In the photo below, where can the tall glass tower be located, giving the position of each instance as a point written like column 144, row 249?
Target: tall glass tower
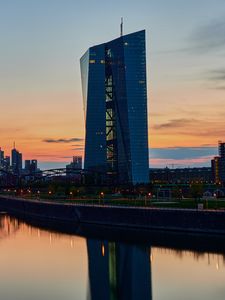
column 115, row 105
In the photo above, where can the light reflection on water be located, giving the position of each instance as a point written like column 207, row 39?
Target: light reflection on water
column 39, row 264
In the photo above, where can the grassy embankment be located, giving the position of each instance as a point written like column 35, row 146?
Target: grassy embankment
column 139, row 202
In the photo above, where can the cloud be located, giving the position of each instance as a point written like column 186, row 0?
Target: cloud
column 217, row 78
column 209, row 37
column 206, row 38
column 175, row 123
column 45, row 155
column 214, row 129
column 62, row 140
column 222, row 88
column 217, row 75
column 78, row 148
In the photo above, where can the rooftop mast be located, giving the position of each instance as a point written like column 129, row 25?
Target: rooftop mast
column 121, row 27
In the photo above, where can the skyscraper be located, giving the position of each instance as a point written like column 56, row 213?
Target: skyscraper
column 17, row 162
column 77, row 162
column 218, row 164
column 115, row 104
column 222, row 160
column 1, row 158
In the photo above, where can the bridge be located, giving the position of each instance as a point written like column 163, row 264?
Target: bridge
column 10, row 179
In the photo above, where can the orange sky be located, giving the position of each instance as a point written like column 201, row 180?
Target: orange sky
column 40, row 88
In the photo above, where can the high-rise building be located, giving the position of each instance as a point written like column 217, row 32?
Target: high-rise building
column 1, row 158
column 215, row 166
column 73, row 167
column 218, row 164
column 27, row 166
column 77, row 162
column 31, row 166
column 115, row 104
column 222, row 160
column 17, row 162
column 7, row 163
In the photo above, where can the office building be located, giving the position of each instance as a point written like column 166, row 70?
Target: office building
column 31, row 166
column 218, row 164
column 77, row 162
column 27, row 165
column 72, row 169
column 17, row 162
column 115, row 104
column 181, row 175
column 4, row 161
column 221, row 147
column 1, row 158
column 7, row 163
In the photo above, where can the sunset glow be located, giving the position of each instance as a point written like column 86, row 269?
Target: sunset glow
column 40, row 87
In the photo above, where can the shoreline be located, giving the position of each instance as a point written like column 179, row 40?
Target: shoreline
column 139, row 218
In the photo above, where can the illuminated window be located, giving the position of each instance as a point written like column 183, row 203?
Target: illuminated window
column 102, row 61
column 126, row 44
column 92, row 61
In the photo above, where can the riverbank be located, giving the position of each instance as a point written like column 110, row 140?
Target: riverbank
column 180, row 220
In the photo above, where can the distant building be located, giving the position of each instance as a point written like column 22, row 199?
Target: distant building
column 181, row 175
column 77, row 162
column 7, row 163
column 218, row 164
column 27, row 166
column 215, row 166
column 115, row 104
column 4, row 161
column 1, row 158
column 73, row 167
column 17, row 162
column 31, row 166
column 222, row 161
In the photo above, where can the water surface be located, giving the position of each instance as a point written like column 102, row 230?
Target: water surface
column 40, row 264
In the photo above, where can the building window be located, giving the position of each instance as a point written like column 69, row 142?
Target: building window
column 92, row 61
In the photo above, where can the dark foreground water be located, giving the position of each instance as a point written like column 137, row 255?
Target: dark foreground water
column 39, row 264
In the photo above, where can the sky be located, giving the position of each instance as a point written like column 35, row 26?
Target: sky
column 41, row 105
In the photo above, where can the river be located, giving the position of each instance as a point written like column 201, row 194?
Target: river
column 40, row 264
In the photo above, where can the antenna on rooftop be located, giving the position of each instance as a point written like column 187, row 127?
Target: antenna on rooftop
column 121, row 27
column 14, row 145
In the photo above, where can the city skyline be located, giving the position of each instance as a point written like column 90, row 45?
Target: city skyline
column 40, row 86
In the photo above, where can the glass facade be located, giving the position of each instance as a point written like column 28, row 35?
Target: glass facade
column 115, row 104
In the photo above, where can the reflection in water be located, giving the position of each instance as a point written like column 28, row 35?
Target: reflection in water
column 119, row 271
column 8, row 226
column 70, row 267
column 217, row 260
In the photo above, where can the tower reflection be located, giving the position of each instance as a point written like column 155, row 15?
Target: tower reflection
column 119, row 271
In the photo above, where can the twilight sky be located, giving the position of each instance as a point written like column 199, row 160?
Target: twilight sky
column 42, row 41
